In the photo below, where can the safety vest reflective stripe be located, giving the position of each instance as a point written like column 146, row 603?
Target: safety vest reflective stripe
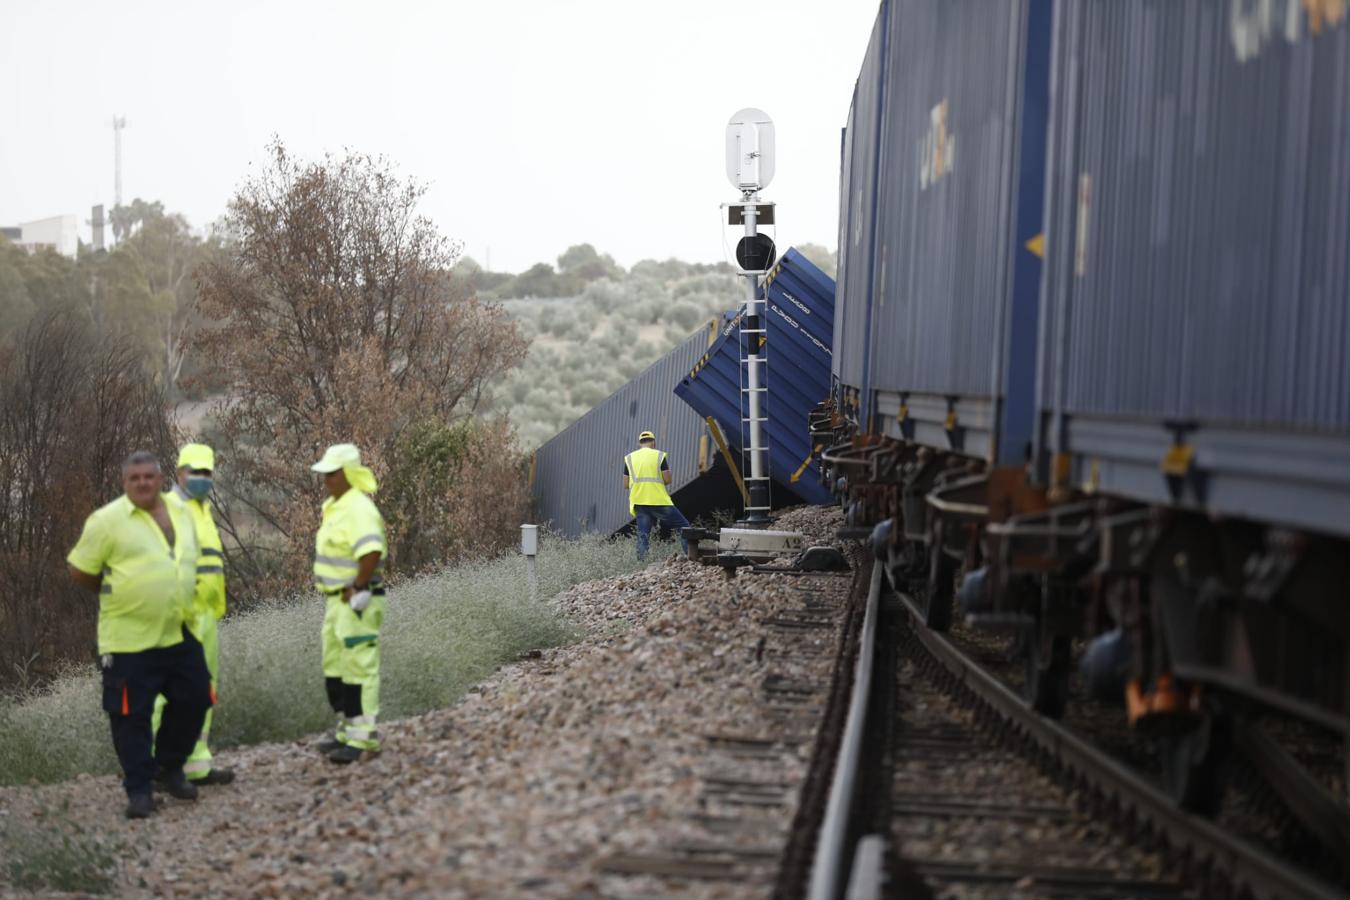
column 200, row 765
column 646, row 485
column 352, row 528
column 361, row 728
column 210, row 551
column 362, row 541
column 209, row 570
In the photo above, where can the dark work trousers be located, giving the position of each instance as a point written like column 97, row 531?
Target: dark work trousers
column 669, row 516
column 130, row 686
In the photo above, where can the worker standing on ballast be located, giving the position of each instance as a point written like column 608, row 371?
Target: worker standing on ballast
column 646, row 473
column 348, row 551
column 196, row 466
column 138, row 555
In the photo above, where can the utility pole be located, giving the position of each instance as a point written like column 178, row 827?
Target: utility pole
column 119, row 123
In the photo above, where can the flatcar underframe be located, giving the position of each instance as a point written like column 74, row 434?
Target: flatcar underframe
column 1222, row 618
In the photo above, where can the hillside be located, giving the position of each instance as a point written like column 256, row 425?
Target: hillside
column 615, row 323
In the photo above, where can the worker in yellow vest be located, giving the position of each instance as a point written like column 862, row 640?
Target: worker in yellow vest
column 138, row 555
column 348, row 553
column 196, row 466
column 646, row 473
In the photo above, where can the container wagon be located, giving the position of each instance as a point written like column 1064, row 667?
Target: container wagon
column 1153, row 451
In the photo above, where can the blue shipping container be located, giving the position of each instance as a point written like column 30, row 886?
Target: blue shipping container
column 1197, row 291
column 576, row 478
column 799, row 313
column 862, row 148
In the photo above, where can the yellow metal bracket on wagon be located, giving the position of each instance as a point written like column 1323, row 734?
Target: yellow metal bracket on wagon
column 726, row 454
column 806, row 462
column 1178, row 459
column 1037, row 245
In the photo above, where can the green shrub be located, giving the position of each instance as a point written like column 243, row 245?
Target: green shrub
column 443, row 633
column 56, row 852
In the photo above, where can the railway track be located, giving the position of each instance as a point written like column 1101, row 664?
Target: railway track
column 984, row 797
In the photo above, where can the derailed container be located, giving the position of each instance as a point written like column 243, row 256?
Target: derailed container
column 1196, row 323
column 799, row 313
column 576, row 478
column 961, row 188
column 858, row 212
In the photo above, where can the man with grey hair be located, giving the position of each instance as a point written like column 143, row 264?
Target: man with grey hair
column 139, row 555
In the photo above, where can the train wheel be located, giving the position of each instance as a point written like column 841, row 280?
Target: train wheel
column 1196, row 765
column 1047, row 674
column 941, row 588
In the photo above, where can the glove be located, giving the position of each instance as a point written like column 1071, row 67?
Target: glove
column 360, row 600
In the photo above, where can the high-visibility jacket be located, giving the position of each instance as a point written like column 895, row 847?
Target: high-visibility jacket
column 209, row 597
column 352, row 527
column 147, row 591
column 646, row 487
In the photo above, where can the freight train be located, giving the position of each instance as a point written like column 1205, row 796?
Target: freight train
column 1091, row 360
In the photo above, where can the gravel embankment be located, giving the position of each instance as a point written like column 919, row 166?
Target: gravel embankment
column 550, row 765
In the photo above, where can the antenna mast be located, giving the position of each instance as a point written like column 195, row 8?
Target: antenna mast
column 119, row 123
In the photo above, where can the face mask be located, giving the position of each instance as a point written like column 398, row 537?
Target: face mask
column 198, row 486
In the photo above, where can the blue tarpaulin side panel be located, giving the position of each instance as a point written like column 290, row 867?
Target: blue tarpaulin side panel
column 800, row 323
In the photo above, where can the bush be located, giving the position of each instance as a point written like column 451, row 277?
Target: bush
column 58, row 853
column 444, row 632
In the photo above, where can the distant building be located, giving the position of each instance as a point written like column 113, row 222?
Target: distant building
column 59, row 233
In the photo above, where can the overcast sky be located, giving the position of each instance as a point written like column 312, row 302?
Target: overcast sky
column 536, row 125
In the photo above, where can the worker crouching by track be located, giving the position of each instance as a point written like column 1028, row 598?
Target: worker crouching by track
column 347, row 552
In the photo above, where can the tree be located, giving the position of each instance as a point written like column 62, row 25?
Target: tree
column 73, row 404
column 335, row 319
column 162, row 255
column 16, row 308
column 583, row 261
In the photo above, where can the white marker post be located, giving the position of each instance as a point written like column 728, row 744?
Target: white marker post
column 529, row 546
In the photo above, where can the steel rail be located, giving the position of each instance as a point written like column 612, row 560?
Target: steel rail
column 1237, row 861
column 827, row 864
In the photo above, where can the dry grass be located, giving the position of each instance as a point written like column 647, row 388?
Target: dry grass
column 444, row 632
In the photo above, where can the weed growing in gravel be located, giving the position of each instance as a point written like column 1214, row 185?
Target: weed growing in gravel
column 55, row 852
column 442, row 633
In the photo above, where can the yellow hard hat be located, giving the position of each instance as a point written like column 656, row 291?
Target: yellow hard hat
column 646, row 436
column 197, row 456
column 338, row 456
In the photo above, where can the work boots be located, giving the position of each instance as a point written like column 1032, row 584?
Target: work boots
column 331, row 743
column 345, row 755
column 177, row 784
column 140, row 806
column 216, row 775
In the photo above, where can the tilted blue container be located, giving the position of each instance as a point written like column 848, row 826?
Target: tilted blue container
column 576, row 478
column 799, row 315
column 1197, row 294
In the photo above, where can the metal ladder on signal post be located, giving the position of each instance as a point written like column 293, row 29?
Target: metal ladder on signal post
column 754, row 379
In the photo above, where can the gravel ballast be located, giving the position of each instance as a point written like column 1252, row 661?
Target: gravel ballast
column 543, row 771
